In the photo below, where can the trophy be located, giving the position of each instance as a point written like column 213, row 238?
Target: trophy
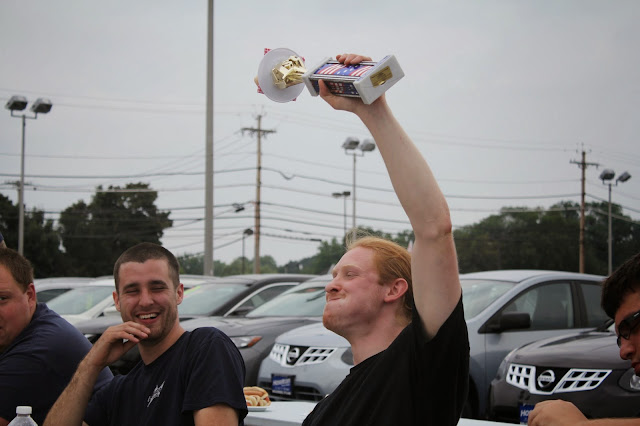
column 282, row 73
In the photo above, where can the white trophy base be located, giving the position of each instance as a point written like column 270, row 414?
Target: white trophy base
column 265, row 78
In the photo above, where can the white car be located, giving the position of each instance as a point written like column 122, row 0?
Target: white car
column 306, row 363
column 50, row 288
column 85, row 302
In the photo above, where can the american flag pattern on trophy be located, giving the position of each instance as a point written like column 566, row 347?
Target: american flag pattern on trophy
column 343, row 86
column 344, row 70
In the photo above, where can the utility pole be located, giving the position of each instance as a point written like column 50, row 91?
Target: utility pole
column 583, row 165
column 259, row 131
column 208, row 184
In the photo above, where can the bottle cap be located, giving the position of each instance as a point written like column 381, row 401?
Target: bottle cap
column 23, row 409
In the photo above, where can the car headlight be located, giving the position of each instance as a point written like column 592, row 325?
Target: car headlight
column 502, row 369
column 634, row 383
column 629, row 381
column 242, row 342
column 347, row 356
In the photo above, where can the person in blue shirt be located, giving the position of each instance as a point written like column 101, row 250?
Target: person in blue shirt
column 39, row 350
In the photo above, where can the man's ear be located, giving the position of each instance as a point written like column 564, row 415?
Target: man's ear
column 180, row 293
column 31, row 294
column 116, row 300
column 396, row 289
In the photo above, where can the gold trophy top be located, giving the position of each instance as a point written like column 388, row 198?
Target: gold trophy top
column 288, row 72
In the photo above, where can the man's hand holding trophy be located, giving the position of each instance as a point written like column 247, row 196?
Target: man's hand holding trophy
column 282, row 76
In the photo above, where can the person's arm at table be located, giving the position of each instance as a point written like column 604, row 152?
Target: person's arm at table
column 562, row 413
column 70, row 407
column 217, row 415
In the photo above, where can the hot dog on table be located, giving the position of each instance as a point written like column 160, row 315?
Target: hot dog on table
column 256, row 396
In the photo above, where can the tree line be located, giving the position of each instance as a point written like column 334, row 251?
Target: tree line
column 88, row 238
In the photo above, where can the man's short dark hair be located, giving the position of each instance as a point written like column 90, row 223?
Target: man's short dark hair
column 142, row 252
column 624, row 280
column 19, row 267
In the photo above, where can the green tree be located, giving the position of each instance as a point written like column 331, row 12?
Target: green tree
column 267, row 266
column 95, row 234
column 9, row 222
column 41, row 239
column 520, row 238
column 329, row 253
column 625, row 237
column 303, row 266
column 191, row 264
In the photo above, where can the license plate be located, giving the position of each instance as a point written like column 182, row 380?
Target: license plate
column 282, row 385
column 524, row 410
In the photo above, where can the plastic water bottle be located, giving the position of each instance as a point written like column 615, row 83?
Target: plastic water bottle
column 23, row 417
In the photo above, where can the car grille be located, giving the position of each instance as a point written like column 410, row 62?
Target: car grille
column 289, row 356
column 546, row 381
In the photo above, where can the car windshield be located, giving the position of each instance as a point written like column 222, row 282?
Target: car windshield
column 478, row 294
column 299, row 302
column 202, row 300
column 79, row 300
column 45, row 296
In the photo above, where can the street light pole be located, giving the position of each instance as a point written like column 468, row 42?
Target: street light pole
column 21, row 191
column 607, row 176
column 19, row 103
column 344, row 195
column 353, row 200
column 350, row 145
column 609, row 238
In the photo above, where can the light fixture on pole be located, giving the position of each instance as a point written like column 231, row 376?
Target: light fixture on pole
column 247, row 232
column 607, row 176
column 40, row 106
column 344, row 195
column 350, row 145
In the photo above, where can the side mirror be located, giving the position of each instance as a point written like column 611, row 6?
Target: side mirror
column 241, row 311
column 514, row 320
column 507, row 321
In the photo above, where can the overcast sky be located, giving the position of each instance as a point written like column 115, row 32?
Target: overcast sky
column 500, row 96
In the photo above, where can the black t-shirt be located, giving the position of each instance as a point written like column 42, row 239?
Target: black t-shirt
column 37, row 366
column 201, row 369
column 414, row 381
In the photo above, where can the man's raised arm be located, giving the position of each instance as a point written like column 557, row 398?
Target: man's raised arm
column 436, row 283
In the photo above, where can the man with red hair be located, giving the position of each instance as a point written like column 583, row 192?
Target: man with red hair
column 401, row 312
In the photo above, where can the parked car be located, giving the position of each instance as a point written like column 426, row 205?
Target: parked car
column 84, row 302
column 237, row 295
column 205, row 296
column 582, row 368
column 255, row 334
column 306, row 363
column 503, row 310
column 49, row 288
